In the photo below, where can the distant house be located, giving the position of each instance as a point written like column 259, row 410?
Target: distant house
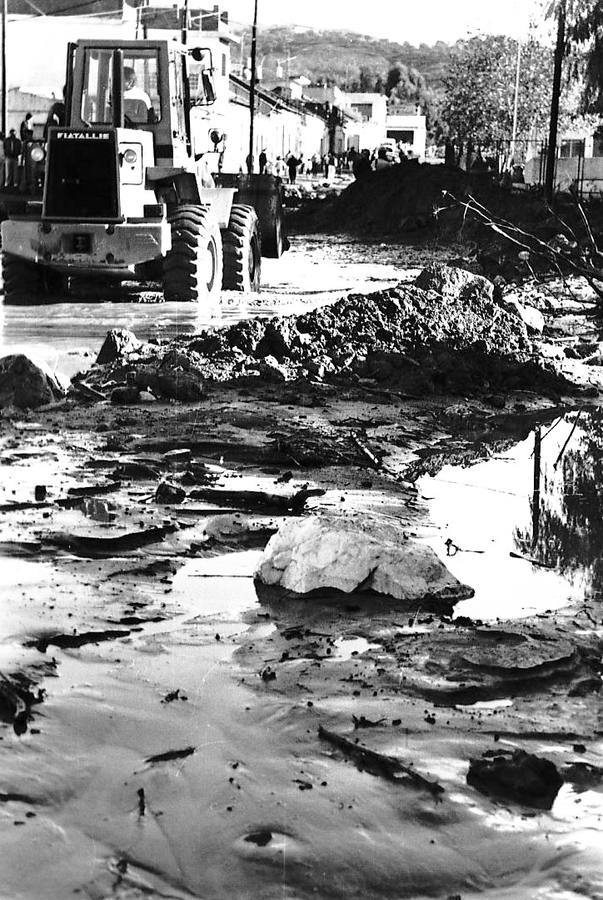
column 21, row 102
column 579, row 160
column 408, row 128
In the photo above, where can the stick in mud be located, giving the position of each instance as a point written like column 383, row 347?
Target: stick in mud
column 379, row 763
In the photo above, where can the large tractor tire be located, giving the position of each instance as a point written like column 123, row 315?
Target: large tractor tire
column 27, row 283
column 242, row 250
column 192, row 269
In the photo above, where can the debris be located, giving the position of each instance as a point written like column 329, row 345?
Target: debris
column 142, row 806
column 16, row 699
column 26, row 385
column 170, row 755
column 278, row 504
column 455, row 283
column 93, row 489
column 532, row 318
column 88, row 392
column 362, row 722
column 260, row 838
column 168, row 494
column 98, row 548
column 311, row 554
column 136, row 470
column 40, row 492
column 583, row 775
column 72, row 641
column 380, row 764
column 122, row 396
column 518, row 776
column 118, row 343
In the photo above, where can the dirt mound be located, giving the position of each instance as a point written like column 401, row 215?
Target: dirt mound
column 412, row 196
column 444, row 334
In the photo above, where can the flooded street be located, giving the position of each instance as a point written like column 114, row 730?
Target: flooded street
column 67, row 336
column 173, row 726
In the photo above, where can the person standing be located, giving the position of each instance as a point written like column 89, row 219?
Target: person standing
column 12, row 151
column 262, row 159
column 280, row 169
column 292, row 164
column 26, row 129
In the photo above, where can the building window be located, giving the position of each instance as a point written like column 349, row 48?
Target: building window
column 571, row 148
column 365, row 110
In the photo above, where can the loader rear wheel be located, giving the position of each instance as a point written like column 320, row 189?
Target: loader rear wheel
column 242, row 252
column 274, row 240
column 27, row 283
column 192, row 269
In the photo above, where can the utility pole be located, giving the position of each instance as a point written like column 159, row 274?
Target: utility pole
column 549, row 179
column 3, row 74
column 254, row 48
column 185, row 22
column 515, row 105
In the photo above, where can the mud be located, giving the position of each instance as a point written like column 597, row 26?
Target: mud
column 192, row 733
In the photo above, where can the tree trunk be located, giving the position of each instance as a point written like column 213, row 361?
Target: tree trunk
column 549, row 181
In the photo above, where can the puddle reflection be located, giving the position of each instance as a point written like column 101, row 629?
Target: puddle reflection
column 526, row 530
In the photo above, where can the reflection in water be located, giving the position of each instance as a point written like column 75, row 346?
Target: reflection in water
column 529, row 525
column 567, row 509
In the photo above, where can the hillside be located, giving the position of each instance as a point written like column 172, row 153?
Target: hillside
column 339, row 55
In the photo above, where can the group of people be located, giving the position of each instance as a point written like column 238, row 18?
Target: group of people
column 286, row 167
column 13, row 148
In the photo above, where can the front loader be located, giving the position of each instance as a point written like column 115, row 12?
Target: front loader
column 127, row 196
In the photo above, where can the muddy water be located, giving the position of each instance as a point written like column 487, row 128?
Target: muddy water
column 241, row 799
column 525, row 527
column 66, row 336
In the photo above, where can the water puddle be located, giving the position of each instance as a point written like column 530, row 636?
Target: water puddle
column 347, row 647
column 525, row 529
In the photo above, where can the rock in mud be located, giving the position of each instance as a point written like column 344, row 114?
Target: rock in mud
column 531, row 317
column 118, row 343
column 167, row 493
column 450, row 281
column 518, row 776
column 26, row 385
column 310, row 555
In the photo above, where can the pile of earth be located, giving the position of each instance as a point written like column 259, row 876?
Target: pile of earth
column 413, row 195
column 446, row 333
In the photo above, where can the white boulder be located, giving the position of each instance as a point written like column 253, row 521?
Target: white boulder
column 309, row 554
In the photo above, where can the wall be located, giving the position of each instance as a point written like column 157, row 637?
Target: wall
column 411, row 123
column 567, row 172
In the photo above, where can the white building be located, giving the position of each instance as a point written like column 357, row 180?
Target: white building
column 409, row 129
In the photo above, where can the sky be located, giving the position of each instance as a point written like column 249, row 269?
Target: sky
column 415, row 21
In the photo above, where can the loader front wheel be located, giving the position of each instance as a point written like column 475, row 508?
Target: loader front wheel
column 192, row 269
column 242, row 250
column 22, row 281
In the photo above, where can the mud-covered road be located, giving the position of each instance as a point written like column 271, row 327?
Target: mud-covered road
column 172, row 728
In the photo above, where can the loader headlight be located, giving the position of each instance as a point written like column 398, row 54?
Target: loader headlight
column 130, row 156
column 37, row 154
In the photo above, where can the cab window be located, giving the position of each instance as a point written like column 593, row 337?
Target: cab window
column 140, row 85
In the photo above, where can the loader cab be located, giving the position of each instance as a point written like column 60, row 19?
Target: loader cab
column 155, row 93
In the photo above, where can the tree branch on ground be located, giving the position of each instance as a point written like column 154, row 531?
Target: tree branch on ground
column 564, row 255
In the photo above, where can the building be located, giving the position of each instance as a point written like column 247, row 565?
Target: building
column 282, row 124
column 409, row 129
column 579, row 161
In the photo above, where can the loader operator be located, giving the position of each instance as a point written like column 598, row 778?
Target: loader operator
column 137, row 103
